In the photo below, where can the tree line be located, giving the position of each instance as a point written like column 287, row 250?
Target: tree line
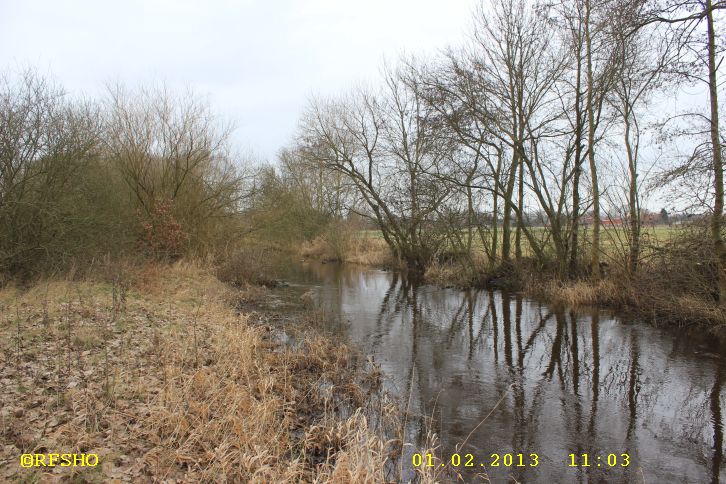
column 553, row 108
column 140, row 171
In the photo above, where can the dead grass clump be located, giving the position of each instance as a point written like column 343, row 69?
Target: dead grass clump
column 444, row 275
column 317, row 248
column 359, row 248
column 360, row 454
column 451, row 275
column 369, row 250
column 457, row 269
column 580, row 293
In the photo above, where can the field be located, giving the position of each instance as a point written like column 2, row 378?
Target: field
column 613, row 241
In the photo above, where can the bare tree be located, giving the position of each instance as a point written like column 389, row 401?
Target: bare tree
column 170, row 148
column 45, row 141
column 385, row 147
column 643, row 56
column 497, row 98
column 685, row 19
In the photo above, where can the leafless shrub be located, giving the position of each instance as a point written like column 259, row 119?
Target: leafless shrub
column 683, row 265
column 47, row 216
column 173, row 153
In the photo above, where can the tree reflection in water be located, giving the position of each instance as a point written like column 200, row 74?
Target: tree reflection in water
column 581, row 382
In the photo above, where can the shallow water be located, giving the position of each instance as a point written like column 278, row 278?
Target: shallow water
column 518, row 376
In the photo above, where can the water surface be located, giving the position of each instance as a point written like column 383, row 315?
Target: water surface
column 519, row 376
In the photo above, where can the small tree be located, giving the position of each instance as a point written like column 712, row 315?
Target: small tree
column 171, row 150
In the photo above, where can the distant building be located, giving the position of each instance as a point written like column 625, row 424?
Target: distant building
column 612, row 222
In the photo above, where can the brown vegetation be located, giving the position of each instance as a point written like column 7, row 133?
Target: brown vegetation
column 359, row 248
column 248, row 265
column 370, row 251
column 155, row 372
column 460, row 270
column 659, row 308
column 471, row 166
column 137, row 173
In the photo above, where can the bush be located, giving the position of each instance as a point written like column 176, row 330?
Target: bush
column 338, row 235
column 335, row 244
column 683, row 265
column 149, row 174
column 59, row 202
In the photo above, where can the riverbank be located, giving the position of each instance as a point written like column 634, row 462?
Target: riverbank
column 658, row 308
column 636, row 297
column 156, row 373
column 357, row 249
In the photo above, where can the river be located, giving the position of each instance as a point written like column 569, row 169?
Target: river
column 520, row 377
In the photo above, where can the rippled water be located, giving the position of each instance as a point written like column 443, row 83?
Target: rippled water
column 518, row 376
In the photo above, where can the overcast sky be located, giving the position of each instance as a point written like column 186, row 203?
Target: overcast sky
column 257, row 61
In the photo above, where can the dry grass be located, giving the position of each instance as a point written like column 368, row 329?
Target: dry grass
column 464, row 272
column 447, row 275
column 370, row 251
column 652, row 304
column 361, row 249
column 579, row 293
column 247, row 265
column 317, row 248
column 165, row 382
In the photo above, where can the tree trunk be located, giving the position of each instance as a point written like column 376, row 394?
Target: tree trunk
column 495, row 212
column 633, row 205
column 716, row 219
column 520, row 221
column 595, row 255
column 508, row 203
column 574, row 236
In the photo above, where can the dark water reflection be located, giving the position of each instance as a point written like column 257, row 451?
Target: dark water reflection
column 568, row 382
